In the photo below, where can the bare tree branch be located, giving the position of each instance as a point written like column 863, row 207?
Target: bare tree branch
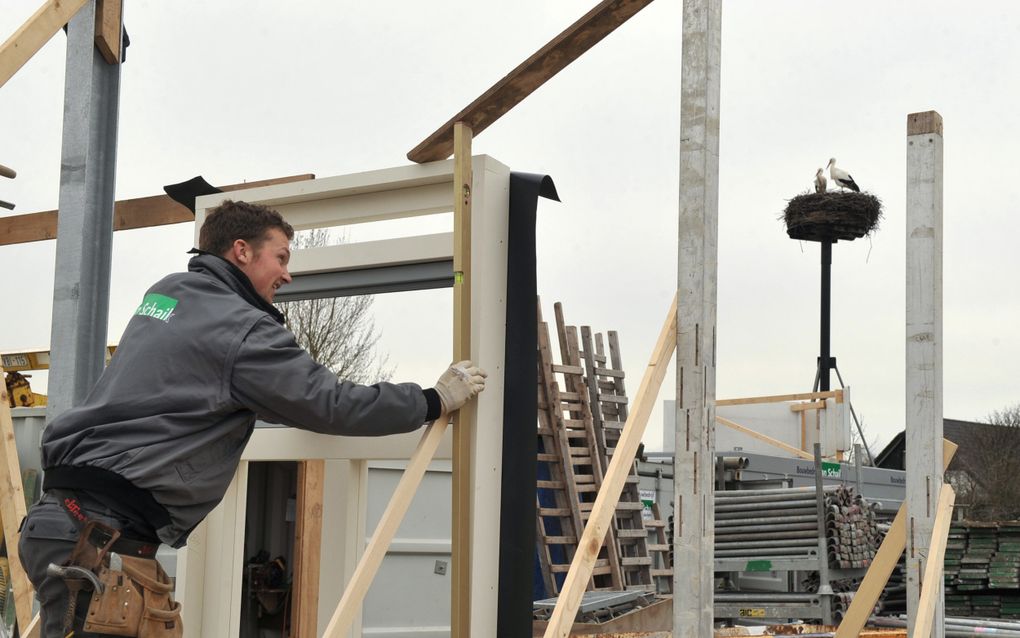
column 339, row 332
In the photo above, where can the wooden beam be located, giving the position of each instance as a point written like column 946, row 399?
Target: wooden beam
column 779, row 398
column 307, row 548
column 931, row 585
column 604, row 508
column 531, row 74
column 354, row 594
column 764, row 438
column 12, row 507
column 463, row 423
column 804, row 407
column 888, row 555
column 141, row 212
column 108, row 29
column 34, row 34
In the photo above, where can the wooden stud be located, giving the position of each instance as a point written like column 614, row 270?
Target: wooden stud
column 764, row 438
column 779, row 398
column 34, row 34
column 34, row 629
column 619, row 468
column 108, row 29
column 307, row 548
column 463, row 423
column 141, row 212
column 803, row 407
column 12, row 507
column 354, row 594
column 882, row 566
column 931, row 585
column 531, row 74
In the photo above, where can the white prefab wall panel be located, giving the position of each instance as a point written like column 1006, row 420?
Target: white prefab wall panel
column 211, row 568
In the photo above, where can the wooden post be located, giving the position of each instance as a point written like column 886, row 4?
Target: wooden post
column 696, row 289
column 931, row 586
column 602, row 512
column 36, row 32
column 882, row 566
column 923, row 349
column 307, row 549
column 463, row 421
column 12, row 507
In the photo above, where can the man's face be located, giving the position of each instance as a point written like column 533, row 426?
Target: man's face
column 266, row 266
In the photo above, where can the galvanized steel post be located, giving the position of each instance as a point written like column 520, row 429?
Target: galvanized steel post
column 81, row 290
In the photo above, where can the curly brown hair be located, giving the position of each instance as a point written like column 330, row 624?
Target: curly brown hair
column 239, row 220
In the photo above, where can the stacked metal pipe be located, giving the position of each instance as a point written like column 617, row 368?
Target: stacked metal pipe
column 783, row 523
column 767, row 524
column 961, row 627
column 852, row 530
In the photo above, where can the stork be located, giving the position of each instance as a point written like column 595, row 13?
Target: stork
column 841, row 177
column 821, row 184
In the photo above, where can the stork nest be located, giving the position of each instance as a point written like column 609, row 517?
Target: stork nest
column 832, row 216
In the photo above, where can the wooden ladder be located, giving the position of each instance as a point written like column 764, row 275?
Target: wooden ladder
column 608, row 397
column 568, row 494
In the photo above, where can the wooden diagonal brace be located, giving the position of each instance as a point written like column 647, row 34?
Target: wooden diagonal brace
column 888, row 555
column 12, row 507
column 36, row 32
column 531, row 74
column 609, row 495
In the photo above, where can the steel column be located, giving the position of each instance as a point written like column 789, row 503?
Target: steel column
column 81, row 290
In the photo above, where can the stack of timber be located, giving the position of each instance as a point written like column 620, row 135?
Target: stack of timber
column 582, row 411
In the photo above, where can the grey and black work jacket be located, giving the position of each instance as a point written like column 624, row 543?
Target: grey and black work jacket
column 162, row 432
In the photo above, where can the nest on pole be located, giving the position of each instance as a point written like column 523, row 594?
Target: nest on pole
column 832, row 216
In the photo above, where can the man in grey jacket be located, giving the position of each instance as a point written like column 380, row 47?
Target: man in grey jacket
column 153, row 447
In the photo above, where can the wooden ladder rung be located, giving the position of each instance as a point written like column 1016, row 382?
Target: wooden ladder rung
column 658, row 548
column 636, row 561
column 554, row 511
column 567, row 369
column 560, row 540
column 631, row 533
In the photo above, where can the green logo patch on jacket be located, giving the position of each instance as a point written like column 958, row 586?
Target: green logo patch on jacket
column 157, row 306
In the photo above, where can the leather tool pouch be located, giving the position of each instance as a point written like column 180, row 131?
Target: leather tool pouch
column 136, row 601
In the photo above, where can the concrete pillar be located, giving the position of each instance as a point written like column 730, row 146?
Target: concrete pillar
column 81, row 290
column 923, row 350
column 696, row 311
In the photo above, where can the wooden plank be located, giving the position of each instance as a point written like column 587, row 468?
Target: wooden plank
column 463, row 423
column 619, row 468
column 141, row 212
column 307, row 548
column 531, row 74
column 12, row 507
column 34, row 629
column 931, row 584
column 804, row 407
column 779, row 398
column 762, row 437
column 354, row 594
column 22, row 360
column 34, row 34
column 888, row 555
column 108, row 29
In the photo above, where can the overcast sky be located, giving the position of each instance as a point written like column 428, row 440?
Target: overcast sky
column 251, row 90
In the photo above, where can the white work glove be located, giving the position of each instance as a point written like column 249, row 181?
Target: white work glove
column 459, row 384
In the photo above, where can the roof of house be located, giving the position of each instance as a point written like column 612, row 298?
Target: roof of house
column 892, row 457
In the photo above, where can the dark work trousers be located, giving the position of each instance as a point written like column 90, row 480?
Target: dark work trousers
column 48, row 536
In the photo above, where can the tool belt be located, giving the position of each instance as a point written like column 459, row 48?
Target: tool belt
column 131, row 594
